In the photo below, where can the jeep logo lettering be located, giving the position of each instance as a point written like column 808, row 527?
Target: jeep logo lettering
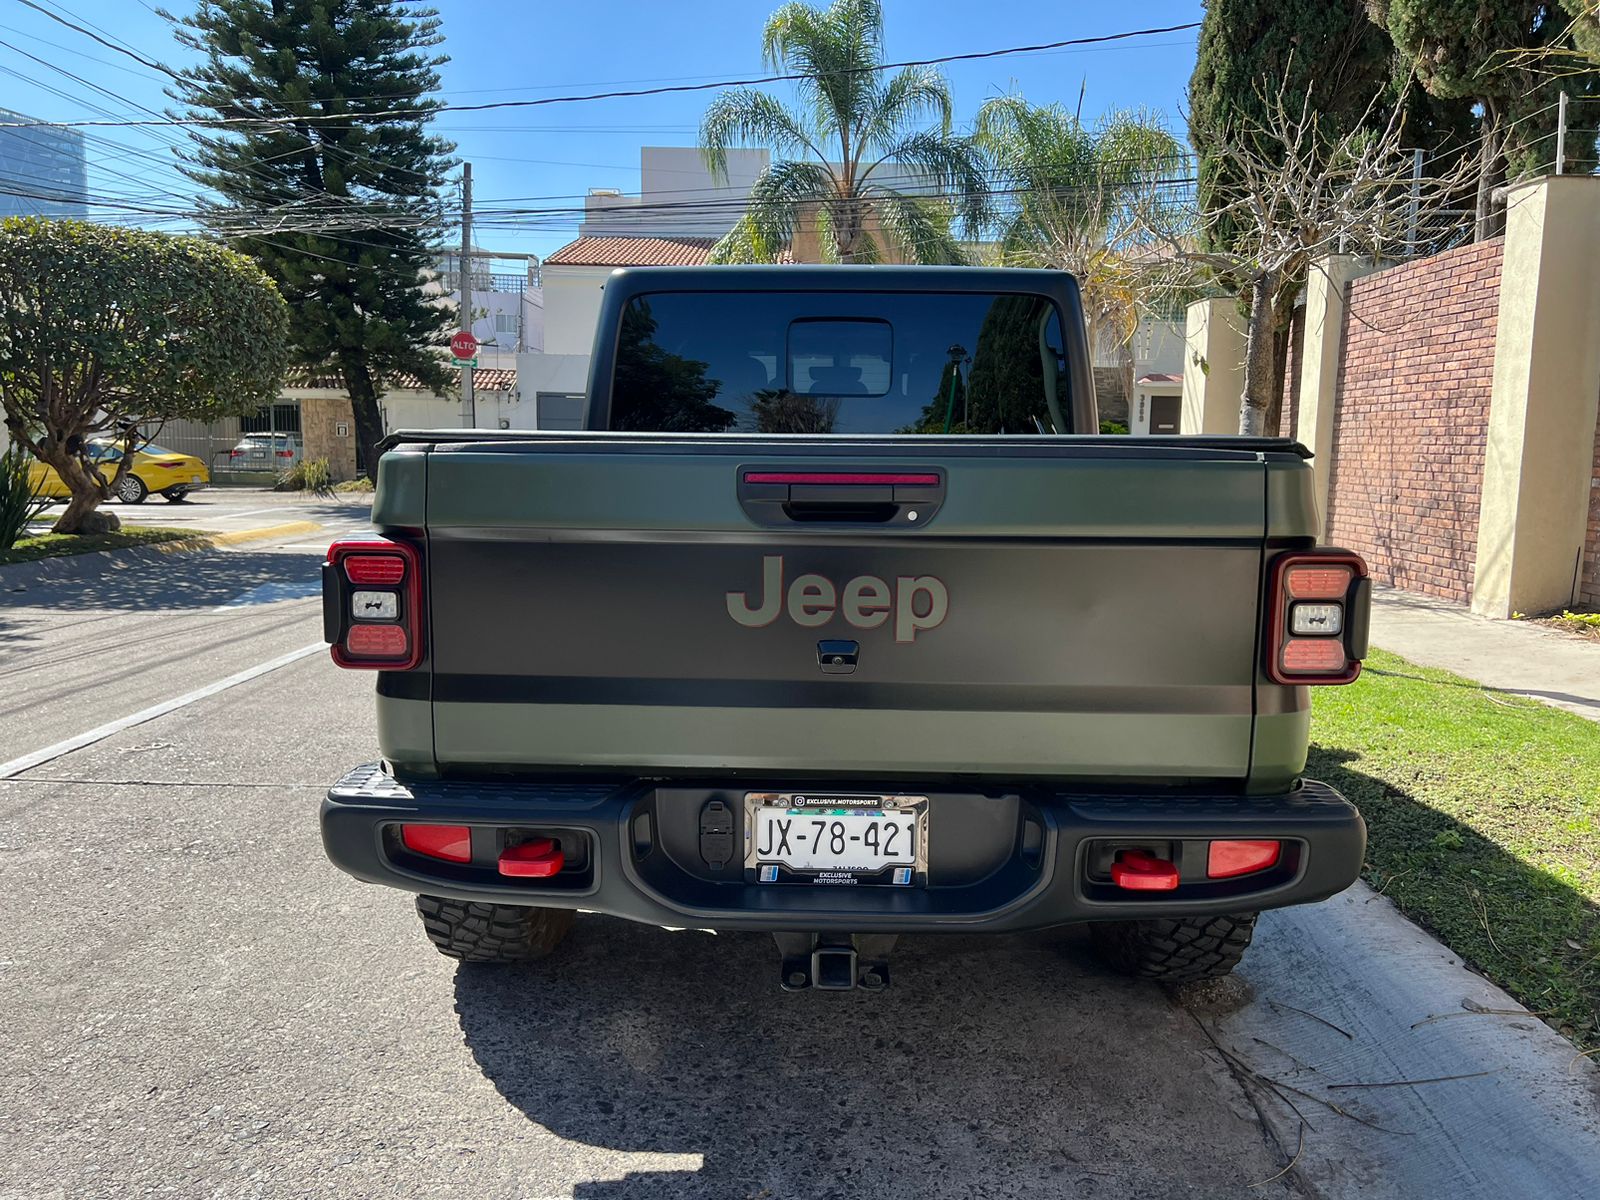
column 917, row 602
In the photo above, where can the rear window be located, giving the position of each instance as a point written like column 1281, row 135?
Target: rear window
column 840, row 362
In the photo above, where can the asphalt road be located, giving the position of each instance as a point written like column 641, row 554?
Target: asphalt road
column 194, row 1003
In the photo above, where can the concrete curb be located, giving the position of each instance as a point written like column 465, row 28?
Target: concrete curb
column 19, row 576
column 1340, row 1001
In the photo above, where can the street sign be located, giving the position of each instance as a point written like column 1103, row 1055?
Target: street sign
column 466, row 362
column 463, row 345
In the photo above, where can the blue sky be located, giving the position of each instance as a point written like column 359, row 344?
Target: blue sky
column 518, row 50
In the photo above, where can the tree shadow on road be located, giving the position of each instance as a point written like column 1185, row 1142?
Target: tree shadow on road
column 997, row 1066
column 137, row 583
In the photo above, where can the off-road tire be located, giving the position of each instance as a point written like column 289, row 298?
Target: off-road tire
column 492, row 933
column 1174, row 949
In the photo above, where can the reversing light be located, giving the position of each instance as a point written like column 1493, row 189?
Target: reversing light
column 1313, row 619
column 1227, row 859
column 452, row 843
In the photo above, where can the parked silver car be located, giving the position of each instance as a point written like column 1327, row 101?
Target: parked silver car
column 266, row 452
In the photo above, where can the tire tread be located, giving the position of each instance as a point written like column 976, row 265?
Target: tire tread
column 492, row 933
column 1175, row 949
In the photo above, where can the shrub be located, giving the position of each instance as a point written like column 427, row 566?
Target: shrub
column 307, row 475
column 363, row 484
column 18, row 504
column 1113, row 427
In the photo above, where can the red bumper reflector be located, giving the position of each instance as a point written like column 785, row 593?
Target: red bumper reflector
column 1139, row 871
column 383, row 569
column 905, row 479
column 377, row 641
column 453, row 843
column 1227, row 859
column 538, row 859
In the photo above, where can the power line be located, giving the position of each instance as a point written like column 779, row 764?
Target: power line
column 424, row 111
column 133, row 54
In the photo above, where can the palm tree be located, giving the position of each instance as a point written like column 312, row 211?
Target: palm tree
column 859, row 161
column 1071, row 198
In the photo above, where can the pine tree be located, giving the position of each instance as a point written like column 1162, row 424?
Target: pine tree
column 326, row 174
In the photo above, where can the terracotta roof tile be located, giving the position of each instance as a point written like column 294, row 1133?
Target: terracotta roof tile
column 632, row 252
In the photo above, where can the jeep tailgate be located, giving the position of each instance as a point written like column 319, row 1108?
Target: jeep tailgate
column 608, row 602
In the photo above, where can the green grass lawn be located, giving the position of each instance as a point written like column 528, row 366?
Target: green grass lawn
column 53, row 545
column 1483, row 818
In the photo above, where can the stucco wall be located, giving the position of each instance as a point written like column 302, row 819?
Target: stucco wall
column 572, row 307
column 1412, row 410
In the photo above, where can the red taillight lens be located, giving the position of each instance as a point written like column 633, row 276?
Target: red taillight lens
column 377, row 641
column 452, row 843
column 385, row 570
column 1313, row 656
column 1227, row 859
column 235, row 453
column 284, row 453
column 1312, row 582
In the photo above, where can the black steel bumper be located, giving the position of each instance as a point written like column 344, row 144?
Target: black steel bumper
column 1000, row 860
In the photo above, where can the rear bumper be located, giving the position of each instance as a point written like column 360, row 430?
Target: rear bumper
column 1002, row 860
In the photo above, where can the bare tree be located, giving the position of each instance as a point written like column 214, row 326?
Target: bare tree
column 1295, row 195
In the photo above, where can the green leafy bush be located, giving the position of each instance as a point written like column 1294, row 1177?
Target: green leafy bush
column 307, row 475
column 1113, row 427
column 18, row 504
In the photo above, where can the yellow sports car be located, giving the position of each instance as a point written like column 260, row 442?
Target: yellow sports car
column 155, row 469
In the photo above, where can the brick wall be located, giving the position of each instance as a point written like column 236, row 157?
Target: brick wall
column 1589, row 581
column 1412, row 415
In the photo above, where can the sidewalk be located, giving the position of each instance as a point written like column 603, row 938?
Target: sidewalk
column 1510, row 656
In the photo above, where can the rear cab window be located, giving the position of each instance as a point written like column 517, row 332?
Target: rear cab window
column 840, row 362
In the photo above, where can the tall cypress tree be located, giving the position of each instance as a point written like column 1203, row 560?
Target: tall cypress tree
column 326, row 175
column 1496, row 56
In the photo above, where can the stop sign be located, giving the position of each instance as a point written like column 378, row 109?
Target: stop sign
column 463, row 345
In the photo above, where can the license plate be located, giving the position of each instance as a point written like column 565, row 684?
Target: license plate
column 194, row 479
column 832, row 837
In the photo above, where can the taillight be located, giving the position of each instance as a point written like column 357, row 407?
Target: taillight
column 235, row 453
column 284, row 453
column 1319, row 602
column 372, row 604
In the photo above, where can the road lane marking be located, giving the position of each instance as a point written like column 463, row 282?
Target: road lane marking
column 39, row 757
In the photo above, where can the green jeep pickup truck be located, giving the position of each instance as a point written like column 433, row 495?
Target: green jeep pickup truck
column 839, row 619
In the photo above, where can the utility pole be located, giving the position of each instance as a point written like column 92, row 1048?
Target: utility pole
column 465, row 293
column 1561, row 134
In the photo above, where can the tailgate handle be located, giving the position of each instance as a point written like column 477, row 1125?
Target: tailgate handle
column 906, row 498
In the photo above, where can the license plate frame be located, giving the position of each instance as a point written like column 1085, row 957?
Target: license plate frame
column 814, row 805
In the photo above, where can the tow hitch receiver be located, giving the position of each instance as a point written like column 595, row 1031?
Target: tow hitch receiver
column 834, row 962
